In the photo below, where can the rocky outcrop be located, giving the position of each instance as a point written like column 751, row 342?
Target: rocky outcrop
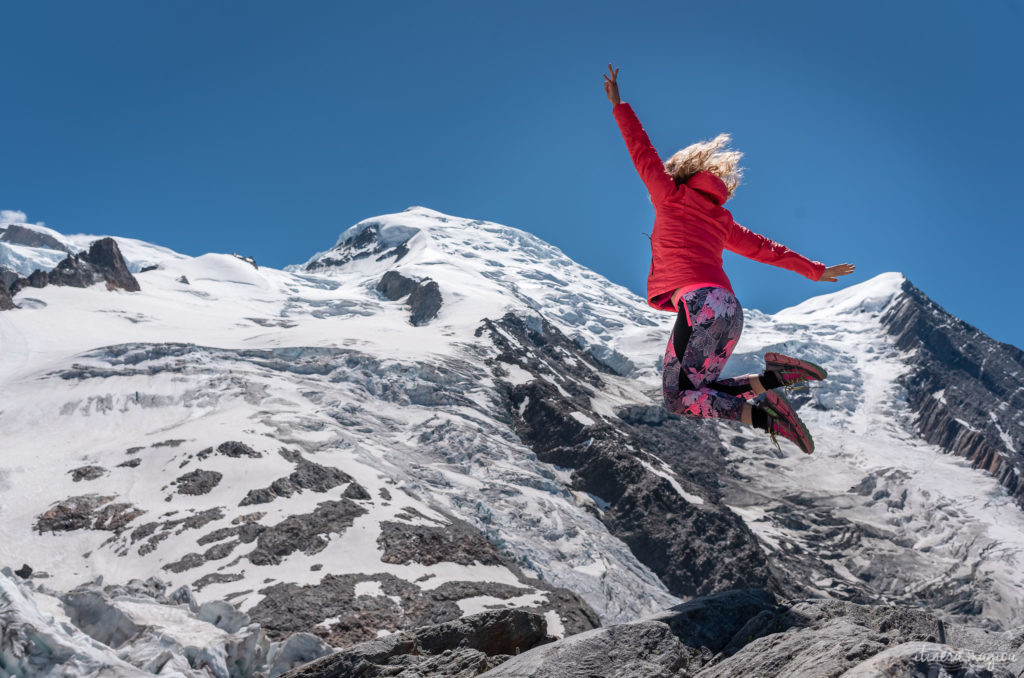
column 7, row 277
column 198, row 482
column 307, row 476
column 963, row 385
column 694, row 544
column 91, row 512
column 103, row 261
column 29, row 237
column 751, row 633
column 6, row 302
column 393, row 285
column 366, row 243
column 463, row 647
column 424, row 296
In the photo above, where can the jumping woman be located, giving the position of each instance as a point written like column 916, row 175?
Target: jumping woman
column 691, row 229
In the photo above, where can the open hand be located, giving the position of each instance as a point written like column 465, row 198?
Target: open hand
column 611, row 86
column 831, row 273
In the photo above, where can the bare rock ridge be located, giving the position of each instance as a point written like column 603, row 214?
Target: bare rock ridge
column 695, row 546
column 29, row 237
column 424, row 296
column 752, row 633
column 462, row 647
column 963, row 385
column 6, row 301
column 102, row 261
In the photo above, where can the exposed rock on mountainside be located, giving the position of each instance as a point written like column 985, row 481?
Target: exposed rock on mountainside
column 694, row 546
column 964, row 386
column 17, row 234
column 103, row 261
column 6, row 302
column 363, row 244
column 751, row 633
column 458, row 649
column 424, row 296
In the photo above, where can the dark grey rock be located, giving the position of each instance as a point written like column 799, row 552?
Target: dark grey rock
column 356, row 491
column 403, row 543
column 644, row 648
column 86, row 473
column 105, row 255
column 233, row 448
column 6, row 300
column 249, row 260
column 304, row 532
column 363, row 244
column 462, row 647
column 21, row 235
column 37, row 279
column 186, row 562
column 183, row 280
column 147, row 269
column 216, row 578
column 91, row 511
column 103, row 261
column 978, row 379
column 425, row 302
column 262, row 495
column 750, row 633
column 306, row 476
column 393, row 285
column 24, row 571
column 131, row 463
column 198, row 482
column 695, row 549
column 7, row 277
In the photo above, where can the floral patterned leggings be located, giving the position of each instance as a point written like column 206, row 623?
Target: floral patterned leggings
column 707, row 328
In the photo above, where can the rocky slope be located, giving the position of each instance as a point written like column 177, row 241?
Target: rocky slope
column 440, row 417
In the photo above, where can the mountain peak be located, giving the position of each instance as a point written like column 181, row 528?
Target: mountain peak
column 870, row 296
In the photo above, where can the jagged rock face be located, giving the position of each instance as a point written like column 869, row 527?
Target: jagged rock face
column 462, row 648
column 695, row 547
column 6, row 302
column 751, row 633
column 964, row 386
column 393, row 285
column 364, row 244
column 103, row 261
column 105, row 255
column 424, row 296
column 19, row 235
column 7, row 277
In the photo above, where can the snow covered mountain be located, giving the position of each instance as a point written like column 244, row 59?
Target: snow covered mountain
column 439, row 416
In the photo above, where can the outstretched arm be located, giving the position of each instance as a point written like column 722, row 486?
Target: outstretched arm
column 645, row 158
column 755, row 246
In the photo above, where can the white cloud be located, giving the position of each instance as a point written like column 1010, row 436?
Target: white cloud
column 12, row 217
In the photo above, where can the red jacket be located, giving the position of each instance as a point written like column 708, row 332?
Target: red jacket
column 691, row 228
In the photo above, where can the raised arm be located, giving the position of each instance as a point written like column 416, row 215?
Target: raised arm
column 652, row 171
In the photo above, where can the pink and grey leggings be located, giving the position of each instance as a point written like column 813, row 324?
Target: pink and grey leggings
column 707, row 328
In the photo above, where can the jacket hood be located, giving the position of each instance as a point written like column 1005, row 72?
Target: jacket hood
column 710, row 185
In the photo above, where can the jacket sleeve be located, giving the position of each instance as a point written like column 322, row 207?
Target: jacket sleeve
column 648, row 164
column 754, row 246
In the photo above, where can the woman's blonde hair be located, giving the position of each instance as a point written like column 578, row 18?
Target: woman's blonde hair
column 711, row 156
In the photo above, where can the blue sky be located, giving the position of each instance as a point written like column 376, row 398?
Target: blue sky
column 887, row 134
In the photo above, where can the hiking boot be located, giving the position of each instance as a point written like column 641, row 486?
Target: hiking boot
column 783, row 421
column 784, row 371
